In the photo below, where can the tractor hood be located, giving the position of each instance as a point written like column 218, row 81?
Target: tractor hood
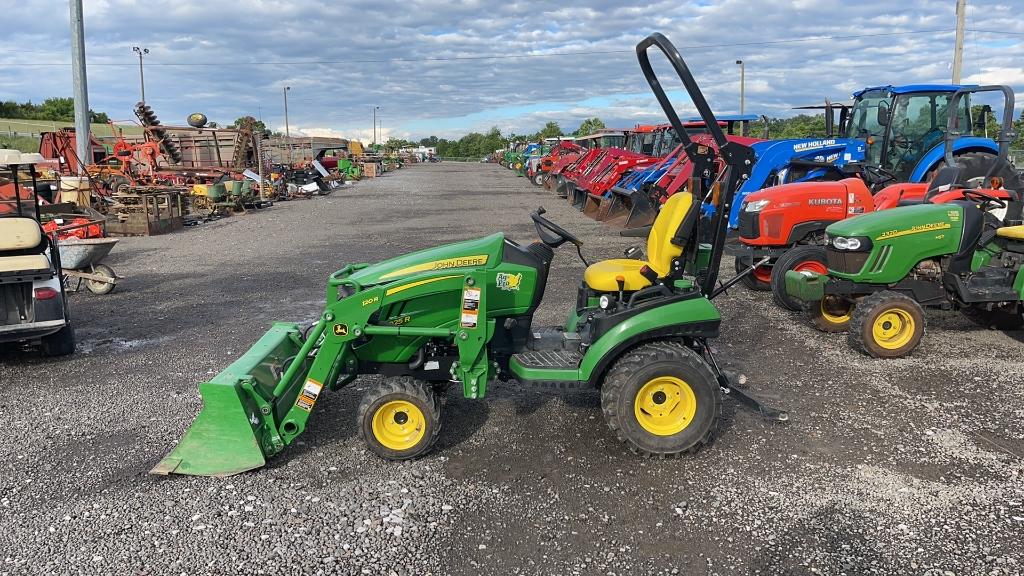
column 901, row 222
column 481, row 252
column 821, row 192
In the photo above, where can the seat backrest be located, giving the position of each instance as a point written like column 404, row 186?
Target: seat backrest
column 945, row 179
column 660, row 249
column 17, row 233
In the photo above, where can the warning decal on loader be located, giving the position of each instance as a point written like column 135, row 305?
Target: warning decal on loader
column 470, row 307
column 307, row 397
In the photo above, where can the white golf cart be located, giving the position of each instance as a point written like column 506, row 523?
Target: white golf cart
column 33, row 305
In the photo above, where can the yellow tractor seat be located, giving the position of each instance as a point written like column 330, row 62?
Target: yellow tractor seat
column 602, row 276
column 1011, row 232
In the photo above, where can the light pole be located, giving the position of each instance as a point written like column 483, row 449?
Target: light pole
column 142, row 78
column 287, row 131
column 743, row 80
column 375, row 108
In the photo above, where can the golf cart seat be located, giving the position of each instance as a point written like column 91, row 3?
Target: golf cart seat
column 680, row 209
column 22, row 246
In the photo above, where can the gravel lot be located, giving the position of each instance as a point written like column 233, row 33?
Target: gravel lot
column 909, row 466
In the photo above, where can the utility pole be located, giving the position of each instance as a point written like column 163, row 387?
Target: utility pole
column 80, row 85
column 958, row 49
column 743, row 81
column 287, row 131
column 142, row 78
column 375, row 108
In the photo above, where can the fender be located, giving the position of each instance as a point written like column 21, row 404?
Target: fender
column 961, row 145
column 658, row 321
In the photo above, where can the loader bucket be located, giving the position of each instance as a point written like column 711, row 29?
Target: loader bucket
column 237, row 420
column 592, row 205
column 631, row 209
column 560, row 186
column 575, row 197
column 612, row 209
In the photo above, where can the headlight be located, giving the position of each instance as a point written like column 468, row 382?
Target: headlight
column 756, row 205
column 842, row 243
column 604, row 302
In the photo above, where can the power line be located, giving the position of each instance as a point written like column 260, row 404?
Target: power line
column 505, row 56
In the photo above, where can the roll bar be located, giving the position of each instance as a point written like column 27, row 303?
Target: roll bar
column 738, row 159
column 1006, row 132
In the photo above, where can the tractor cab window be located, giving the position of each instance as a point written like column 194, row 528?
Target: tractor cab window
column 647, row 144
column 864, row 123
column 917, row 124
column 612, row 141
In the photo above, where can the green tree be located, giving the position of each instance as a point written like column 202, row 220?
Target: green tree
column 550, row 130
column 56, row 109
column 589, row 126
column 257, row 126
column 429, row 142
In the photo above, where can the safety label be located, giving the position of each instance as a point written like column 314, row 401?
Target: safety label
column 307, row 397
column 470, row 307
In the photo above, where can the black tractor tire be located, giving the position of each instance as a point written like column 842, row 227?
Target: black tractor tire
column 831, row 314
column 803, row 257
column 886, row 324
column 538, row 179
column 975, row 165
column 995, row 319
column 688, row 384
column 97, row 287
column 400, row 418
column 60, row 343
column 752, row 281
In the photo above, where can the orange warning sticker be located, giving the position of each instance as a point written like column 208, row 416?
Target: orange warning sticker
column 310, row 392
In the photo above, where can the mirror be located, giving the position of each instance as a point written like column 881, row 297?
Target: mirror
column 883, row 114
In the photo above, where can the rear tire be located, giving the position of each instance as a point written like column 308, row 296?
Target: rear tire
column 995, row 319
column 800, row 258
column 886, row 324
column 60, row 343
column 538, row 179
column 661, row 400
column 400, row 418
column 975, row 165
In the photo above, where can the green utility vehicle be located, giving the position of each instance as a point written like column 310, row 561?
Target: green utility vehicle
column 885, row 267
column 463, row 314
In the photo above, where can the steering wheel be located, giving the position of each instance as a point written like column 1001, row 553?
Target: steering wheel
column 550, row 233
column 879, row 175
column 986, row 199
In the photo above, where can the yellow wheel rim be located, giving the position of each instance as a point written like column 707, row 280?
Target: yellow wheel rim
column 665, row 406
column 893, row 328
column 398, row 425
column 835, row 311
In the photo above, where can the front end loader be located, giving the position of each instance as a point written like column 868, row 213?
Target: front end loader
column 462, row 314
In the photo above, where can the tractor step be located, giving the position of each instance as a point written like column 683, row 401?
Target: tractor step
column 554, row 339
column 558, row 359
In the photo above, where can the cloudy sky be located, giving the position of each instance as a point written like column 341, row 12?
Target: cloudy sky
column 441, row 69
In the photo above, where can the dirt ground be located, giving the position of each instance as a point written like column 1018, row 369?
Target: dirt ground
column 908, row 466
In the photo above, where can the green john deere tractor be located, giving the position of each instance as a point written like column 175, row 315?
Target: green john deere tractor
column 885, row 267
column 462, row 313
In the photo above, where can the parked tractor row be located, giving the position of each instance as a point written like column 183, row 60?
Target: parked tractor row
column 802, row 223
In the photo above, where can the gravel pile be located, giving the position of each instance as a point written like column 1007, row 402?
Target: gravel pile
column 910, row 466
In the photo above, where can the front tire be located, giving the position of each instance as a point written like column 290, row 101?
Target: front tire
column 758, row 280
column 661, row 400
column 98, row 287
column 800, row 258
column 400, row 418
column 886, row 324
column 830, row 314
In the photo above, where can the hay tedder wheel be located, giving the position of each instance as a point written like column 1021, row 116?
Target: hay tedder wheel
column 661, row 400
column 400, row 418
